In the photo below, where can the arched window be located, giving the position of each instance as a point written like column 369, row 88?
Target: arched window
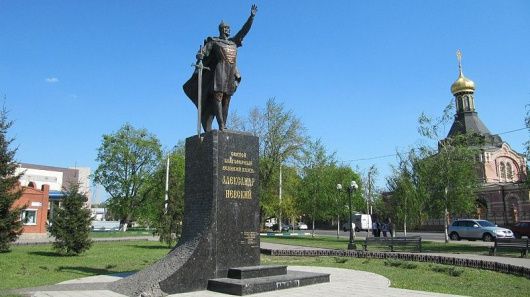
column 503, row 170
column 509, row 171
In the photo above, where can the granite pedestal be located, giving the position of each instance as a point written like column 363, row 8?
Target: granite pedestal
column 221, row 218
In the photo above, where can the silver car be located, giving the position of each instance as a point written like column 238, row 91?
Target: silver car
column 477, row 229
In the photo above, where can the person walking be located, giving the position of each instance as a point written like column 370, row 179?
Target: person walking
column 384, row 228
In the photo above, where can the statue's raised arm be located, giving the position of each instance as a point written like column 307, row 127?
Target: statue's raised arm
column 238, row 38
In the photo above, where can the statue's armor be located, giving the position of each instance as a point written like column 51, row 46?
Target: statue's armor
column 223, row 65
column 228, row 51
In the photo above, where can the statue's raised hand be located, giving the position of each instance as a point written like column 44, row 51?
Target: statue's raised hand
column 253, row 10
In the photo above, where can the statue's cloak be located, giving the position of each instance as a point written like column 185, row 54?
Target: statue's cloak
column 191, row 87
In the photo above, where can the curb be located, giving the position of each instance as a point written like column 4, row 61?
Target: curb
column 480, row 264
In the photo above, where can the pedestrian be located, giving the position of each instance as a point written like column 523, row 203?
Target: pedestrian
column 391, row 228
column 374, row 228
column 384, row 228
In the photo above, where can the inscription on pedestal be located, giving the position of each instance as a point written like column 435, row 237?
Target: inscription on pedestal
column 236, row 184
column 238, row 201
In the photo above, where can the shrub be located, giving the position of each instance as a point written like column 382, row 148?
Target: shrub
column 393, row 262
column 400, row 263
column 451, row 270
column 455, row 271
column 71, row 224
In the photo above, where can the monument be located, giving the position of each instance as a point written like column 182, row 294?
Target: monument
column 219, row 249
column 217, row 75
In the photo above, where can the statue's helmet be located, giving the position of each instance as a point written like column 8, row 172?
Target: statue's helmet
column 223, row 25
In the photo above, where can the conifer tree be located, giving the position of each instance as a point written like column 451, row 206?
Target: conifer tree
column 10, row 223
column 72, row 223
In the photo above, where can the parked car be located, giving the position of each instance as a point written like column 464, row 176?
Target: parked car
column 521, row 228
column 285, row 227
column 477, row 229
column 301, row 226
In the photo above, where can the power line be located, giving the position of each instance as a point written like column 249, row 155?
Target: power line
column 512, row 131
column 393, row 155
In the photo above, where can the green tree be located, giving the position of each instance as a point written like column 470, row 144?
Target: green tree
column 449, row 175
column 407, row 199
column 290, row 182
column 167, row 216
column 370, row 192
column 71, row 224
column 339, row 199
column 10, row 223
column 127, row 159
column 317, row 190
column 282, row 137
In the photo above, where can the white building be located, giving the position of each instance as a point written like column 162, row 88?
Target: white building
column 58, row 178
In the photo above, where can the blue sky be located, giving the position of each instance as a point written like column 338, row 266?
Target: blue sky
column 357, row 73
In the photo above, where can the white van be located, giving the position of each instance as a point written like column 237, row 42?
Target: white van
column 363, row 222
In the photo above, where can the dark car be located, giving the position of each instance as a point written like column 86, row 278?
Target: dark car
column 285, row 227
column 521, row 229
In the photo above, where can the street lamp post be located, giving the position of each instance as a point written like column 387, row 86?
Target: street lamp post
column 339, row 189
column 353, row 187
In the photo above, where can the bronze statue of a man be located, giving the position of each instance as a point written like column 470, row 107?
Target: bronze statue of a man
column 221, row 77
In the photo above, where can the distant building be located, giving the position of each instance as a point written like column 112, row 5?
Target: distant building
column 58, row 178
column 51, row 181
column 35, row 213
column 503, row 196
column 98, row 213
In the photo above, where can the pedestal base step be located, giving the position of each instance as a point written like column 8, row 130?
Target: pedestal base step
column 249, row 286
column 256, row 271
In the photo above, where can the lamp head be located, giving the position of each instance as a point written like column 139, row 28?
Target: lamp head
column 339, row 187
column 354, row 185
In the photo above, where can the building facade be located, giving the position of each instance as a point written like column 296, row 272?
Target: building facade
column 35, row 212
column 42, row 191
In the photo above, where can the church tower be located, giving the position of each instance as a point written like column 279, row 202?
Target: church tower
column 466, row 118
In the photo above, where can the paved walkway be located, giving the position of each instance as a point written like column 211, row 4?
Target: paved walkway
column 344, row 282
column 27, row 240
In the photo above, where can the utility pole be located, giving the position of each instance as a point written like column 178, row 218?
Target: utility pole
column 280, row 196
column 166, row 196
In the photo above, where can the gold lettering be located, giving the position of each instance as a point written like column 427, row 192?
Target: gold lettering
column 237, row 194
column 238, row 181
column 238, row 155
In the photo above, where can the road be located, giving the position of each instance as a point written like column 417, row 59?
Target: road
column 429, row 236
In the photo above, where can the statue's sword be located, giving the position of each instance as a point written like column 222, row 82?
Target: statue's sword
column 199, row 66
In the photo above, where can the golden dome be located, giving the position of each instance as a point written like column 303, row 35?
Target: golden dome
column 462, row 84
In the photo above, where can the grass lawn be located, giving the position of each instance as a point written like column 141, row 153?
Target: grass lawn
column 134, row 233
column 30, row 266
column 422, row 276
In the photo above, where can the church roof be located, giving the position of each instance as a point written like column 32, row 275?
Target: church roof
column 470, row 123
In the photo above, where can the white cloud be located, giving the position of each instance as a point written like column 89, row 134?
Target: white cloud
column 51, row 80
